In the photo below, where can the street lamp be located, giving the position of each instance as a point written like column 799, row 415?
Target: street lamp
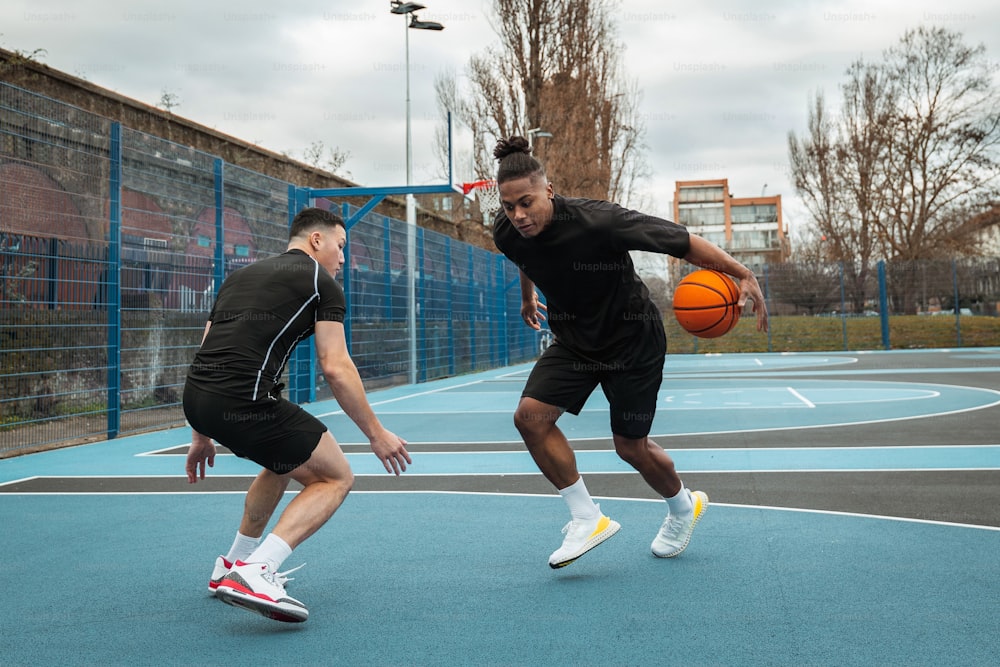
column 424, row 25
column 407, row 8
column 404, row 9
column 537, row 132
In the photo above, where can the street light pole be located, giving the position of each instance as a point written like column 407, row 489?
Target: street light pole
column 411, row 231
column 409, row 134
column 406, row 9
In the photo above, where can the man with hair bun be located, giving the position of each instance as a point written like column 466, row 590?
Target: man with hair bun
column 608, row 332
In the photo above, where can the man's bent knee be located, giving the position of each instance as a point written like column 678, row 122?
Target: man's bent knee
column 533, row 417
column 327, row 464
column 629, row 449
column 635, row 450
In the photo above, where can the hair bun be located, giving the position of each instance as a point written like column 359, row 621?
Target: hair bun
column 511, row 145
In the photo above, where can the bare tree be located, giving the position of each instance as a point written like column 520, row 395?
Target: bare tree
column 557, row 67
column 946, row 166
column 911, row 160
column 169, row 101
column 329, row 158
column 814, row 172
column 904, row 169
column 839, row 170
column 809, row 287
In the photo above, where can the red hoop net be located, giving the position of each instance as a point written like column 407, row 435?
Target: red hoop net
column 488, row 195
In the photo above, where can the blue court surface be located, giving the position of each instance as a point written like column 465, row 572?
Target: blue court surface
column 855, row 520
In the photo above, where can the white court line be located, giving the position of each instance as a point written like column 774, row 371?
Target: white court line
column 23, row 479
column 157, row 452
column 802, row 398
column 926, row 395
column 698, row 450
column 858, row 515
column 548, row 496
column 661, row 435
column 421, row 393
column 403, row 398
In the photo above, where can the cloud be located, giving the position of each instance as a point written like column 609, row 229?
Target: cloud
column 722, row 83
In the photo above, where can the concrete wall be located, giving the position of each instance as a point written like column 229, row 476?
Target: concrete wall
column 39, row 78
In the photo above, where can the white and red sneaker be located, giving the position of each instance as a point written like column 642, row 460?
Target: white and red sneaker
column 221, row 569
column 253, row 586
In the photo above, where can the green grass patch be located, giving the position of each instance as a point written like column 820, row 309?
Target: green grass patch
column 826, row 334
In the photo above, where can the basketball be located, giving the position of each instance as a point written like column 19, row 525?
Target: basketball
column 705, row 303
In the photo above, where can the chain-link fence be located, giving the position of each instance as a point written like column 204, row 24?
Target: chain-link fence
column 890, row 305
column 113, row 243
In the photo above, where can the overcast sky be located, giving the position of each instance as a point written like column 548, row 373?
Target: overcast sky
column 722, row 81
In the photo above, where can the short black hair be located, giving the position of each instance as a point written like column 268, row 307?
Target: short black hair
column 516, row 161
column 309, row 218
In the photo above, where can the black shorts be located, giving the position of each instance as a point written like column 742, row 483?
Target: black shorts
column 564, row 379
column 274, row 433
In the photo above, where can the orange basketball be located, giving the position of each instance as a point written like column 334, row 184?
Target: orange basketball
column 705, row 303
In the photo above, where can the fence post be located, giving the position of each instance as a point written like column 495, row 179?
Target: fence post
column 220, row 232
column 301, row 369
column 387, row 267
column 473, row 314
column 114, row 265
column 451, row 306
column 345, row 209
column 843, row 309
column 500, row 299
column 958, row 305
column 770, row 347
column 420, row 302
column 883, row 303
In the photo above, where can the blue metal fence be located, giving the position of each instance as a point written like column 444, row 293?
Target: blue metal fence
column 114, row 242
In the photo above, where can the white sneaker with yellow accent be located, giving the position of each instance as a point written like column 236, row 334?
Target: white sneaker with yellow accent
column 675, row 533
column 581, row 537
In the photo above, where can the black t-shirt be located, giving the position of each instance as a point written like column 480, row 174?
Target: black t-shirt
column 597, row 305
column 262, row 312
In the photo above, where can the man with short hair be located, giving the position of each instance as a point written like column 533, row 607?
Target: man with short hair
column 233, row 395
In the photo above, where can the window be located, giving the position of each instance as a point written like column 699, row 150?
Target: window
column 754, row 213
column 204, row 241
column 718, row 238
column 756, row 240
column 442, row 203
column 710, row 193
column 702, row 215
column 241, row 250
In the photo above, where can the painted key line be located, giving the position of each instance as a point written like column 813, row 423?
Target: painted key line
column 826, row 459
column 958, row 457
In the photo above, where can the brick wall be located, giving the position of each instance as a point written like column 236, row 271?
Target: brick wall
column 44, row 80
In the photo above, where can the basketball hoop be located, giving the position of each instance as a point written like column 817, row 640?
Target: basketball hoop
column 488, row 195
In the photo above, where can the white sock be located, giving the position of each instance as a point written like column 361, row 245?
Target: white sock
column 581, row 505
column 681, row 503
column 273, row 551
column 242, row 547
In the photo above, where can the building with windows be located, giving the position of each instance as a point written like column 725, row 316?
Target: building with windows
column 748, row 228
